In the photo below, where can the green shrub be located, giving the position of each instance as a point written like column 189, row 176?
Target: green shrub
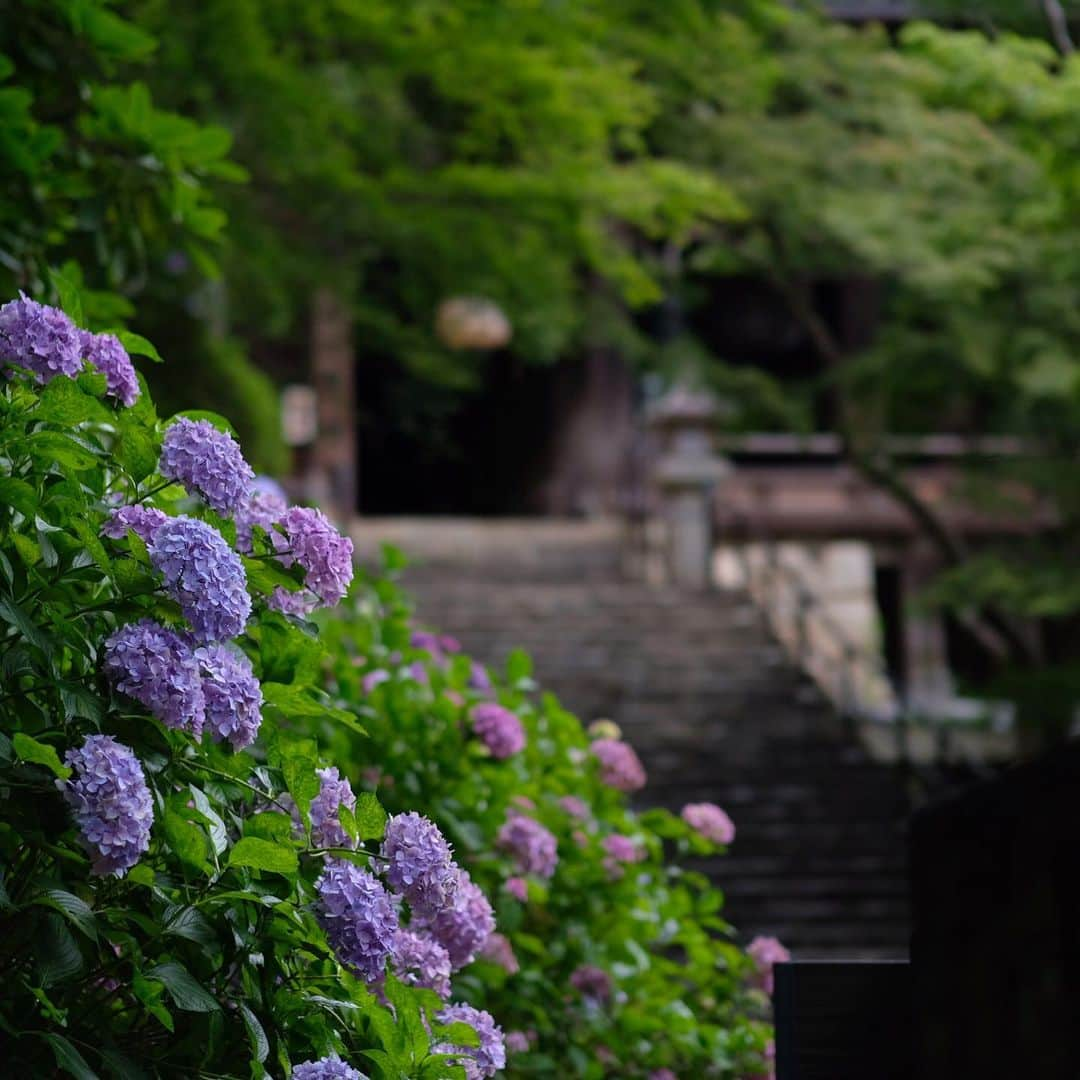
column 165, row 892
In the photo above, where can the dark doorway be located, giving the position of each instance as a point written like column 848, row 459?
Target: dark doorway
column 425, row 448
column 888, row 590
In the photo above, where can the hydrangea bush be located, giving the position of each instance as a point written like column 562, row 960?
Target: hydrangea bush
column 253, row 827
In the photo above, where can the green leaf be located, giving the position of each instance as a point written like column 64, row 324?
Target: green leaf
column 121, row 1066
column 185, row 991
column 137, row 451
column 68, row 1058
column 39, row 753
column 141, row 875
column 64, row 402
column 57, row 954
column 370, row 817
column 18, row 495
column 137, row 345
column 189, row 923
column 263, row 855
column 78, row 912
column 265, row 575
column 70, row 294
column 260, row 1044
column 187, row 841
column 15, row 616
column 518, row 667
column 218, row 836
column 299, row 760
column 56, row 448
column 270, row 825
column 150, row 992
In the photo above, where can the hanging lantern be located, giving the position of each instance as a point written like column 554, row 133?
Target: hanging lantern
column 471, row 322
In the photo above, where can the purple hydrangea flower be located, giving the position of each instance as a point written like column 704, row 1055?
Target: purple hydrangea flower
column 517, row 1042
column 518, row 888
column 592, row 983
column 39, row 338
column 535, row 850
column 420, row 864
column 267, row 485
column 325, row 1069
column 662, row 1074
column 499, row 729
column 574, row 806
column 110, row 358
column 298, row 602
column 207, row 462
column 464, row 923
column 204, row 575
column 334, row 793
column 480, row 1062
column 498, row 950
column 479, row 679
column 622, row 849
column 709, row 820
column 233, row 695
column 620, row 767
column 262, row 508
column 158, row 668
column 321, row 550
column 111, row 801
column 358, row 917
column 373, row 679
column 143, row 521
column 419, row 960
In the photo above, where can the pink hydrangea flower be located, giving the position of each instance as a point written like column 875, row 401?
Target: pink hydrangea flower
column 710, row 821
column 518, row 888
column 574, row 806
column 620, row 767
column 765, row 952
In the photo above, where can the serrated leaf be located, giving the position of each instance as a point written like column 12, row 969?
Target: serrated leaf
column 270, row 825
column 76, row 910
column 137, row 345
column 260, row 1044
column 186, row 992
column 370, row 817
column 137, row 451
column 29, row 749
column 258, row 854
column 18, row 495
column 56, row 448
column 68, row 1058
column 64, row 402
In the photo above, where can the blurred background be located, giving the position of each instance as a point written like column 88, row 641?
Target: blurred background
column 721, row 352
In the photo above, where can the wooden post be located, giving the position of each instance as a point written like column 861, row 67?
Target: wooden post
column 333, row 361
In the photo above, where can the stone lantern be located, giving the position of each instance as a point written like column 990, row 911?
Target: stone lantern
column 687, row 474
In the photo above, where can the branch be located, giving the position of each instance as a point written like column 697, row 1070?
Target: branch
column 1059, row 26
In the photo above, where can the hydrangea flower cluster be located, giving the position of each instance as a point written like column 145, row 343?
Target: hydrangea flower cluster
column 109, row 357
column 498, row 950
column 463, row 925
column 499, row 729
column 263, row 508
column 158, row 668
column 325, row 1069
column 111, row 802
column 516, row 1042
column 419, row 960
column 358, row 917
column 40, row 338
column 143, row 521
column 373, row 679
column 710, row 821
column 592, row 983
column 233, row 695
column 419, row 864
column 518, row 888
column 321, row 550
column 334, row 793
column 767, row 951
column 533, row 847
column 479, row 679
column 574, row 806
column 620, row 767
column 619, row 850
column 484, row 1060
column 207, row 462
column 204, row 575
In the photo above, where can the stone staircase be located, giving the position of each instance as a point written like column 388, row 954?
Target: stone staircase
column 713, row 707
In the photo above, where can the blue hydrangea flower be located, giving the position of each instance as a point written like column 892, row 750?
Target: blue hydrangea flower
column 419, row 960
column 157, row 667
column 480, row 1062
column 207, row 462
column 321, row 550
column 143, row 521
column 358, row 917
column 534, row 848
column 463, row 925
column 233, row 695
column 325, row 1069
column 334, row 793
column 39, row 338
column 109, row 357
column 204, row 575
column 419, row 863
column 112, row 804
